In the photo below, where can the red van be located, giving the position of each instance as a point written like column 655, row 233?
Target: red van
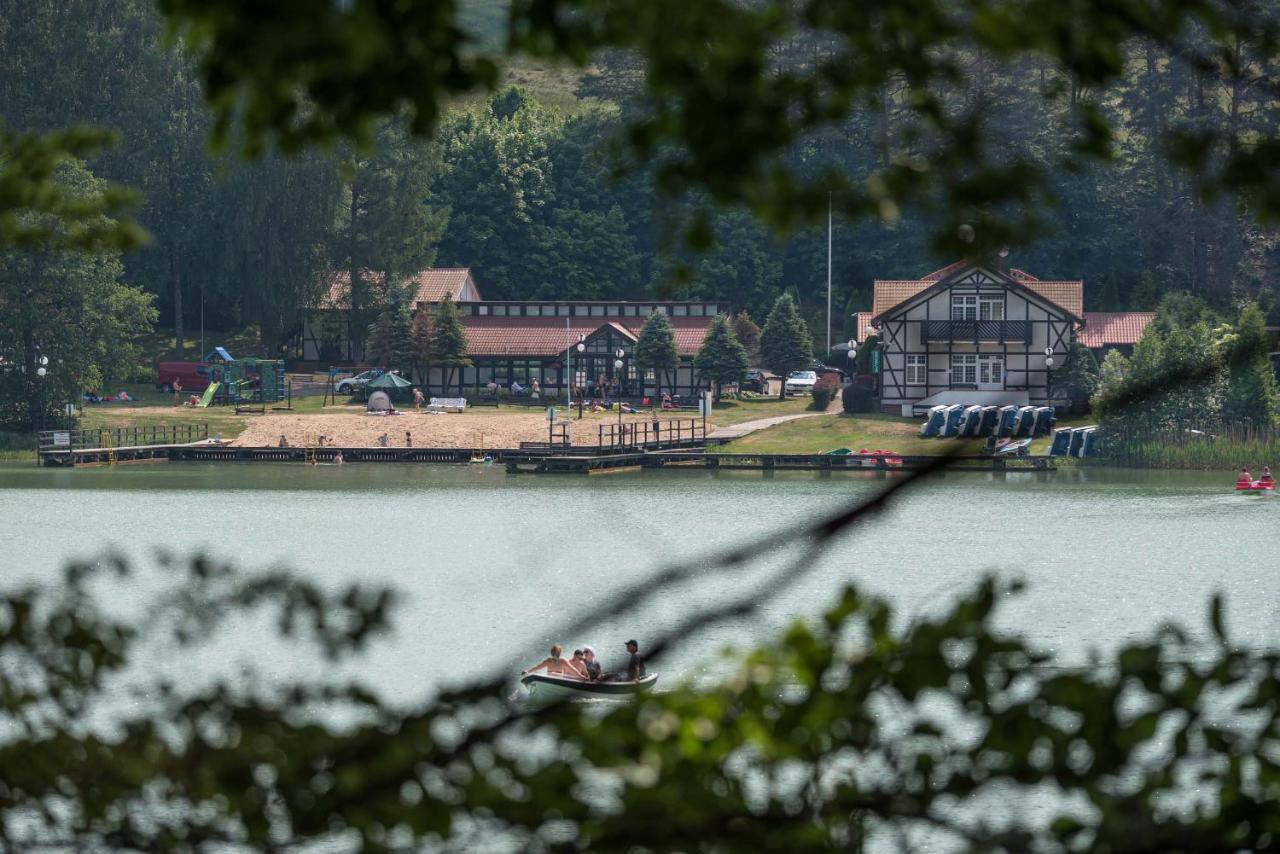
column 194, row 376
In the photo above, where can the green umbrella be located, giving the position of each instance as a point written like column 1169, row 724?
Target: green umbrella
column 389, row 382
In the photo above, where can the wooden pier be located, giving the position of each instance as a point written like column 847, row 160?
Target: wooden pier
column 533, row 463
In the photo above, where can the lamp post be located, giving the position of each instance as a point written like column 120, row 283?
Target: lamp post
column 1048, row 375
column 617, row 371
column 42, row 371
column 581, row 347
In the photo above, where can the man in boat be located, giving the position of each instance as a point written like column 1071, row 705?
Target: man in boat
column 554, row 665
column 1266, row 475
column 590, row 663
column 1244, row 478
column 635, row 665
column 579, row 666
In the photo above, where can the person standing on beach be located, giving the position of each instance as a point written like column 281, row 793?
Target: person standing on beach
column 177, row 391
column 417, row 400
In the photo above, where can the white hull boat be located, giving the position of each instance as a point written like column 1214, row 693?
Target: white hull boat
column 543, row 687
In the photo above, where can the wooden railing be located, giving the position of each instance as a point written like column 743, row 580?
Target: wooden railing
column 634, row 435
column 122, row 437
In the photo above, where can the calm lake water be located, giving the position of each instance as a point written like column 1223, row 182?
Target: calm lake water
column 491, row 563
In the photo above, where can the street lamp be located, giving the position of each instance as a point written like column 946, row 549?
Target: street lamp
column 617, row 372
column 1048, row 375
column 581, row 349
column 42, row 370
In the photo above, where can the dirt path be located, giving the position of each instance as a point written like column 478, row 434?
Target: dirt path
column 737, row 431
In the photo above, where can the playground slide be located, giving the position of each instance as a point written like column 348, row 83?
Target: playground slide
column 208, row 396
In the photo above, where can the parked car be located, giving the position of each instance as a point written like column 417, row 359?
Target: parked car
column 350, row 384
column 754, row 381
column 801, row 382
column 193, row 375
column 819, row 368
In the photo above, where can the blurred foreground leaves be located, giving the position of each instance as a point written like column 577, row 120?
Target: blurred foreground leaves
column 842, row 731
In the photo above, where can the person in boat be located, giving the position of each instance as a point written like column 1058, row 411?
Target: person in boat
column 589, row 662
column 554, row 664
column 1244, row 478
column 578, row 664
column 1266, row 475
column 635, row 664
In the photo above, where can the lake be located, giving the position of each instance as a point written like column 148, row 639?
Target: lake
column 491, row 563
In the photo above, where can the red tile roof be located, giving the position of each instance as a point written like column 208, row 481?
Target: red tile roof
column 864, row 327
column 429, row 285
column 890, row 293
column 546, row 336
column 1107, row 329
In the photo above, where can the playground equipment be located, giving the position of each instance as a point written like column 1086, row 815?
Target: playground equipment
column 243, row 383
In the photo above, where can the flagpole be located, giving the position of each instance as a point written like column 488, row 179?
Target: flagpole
column 828, row 353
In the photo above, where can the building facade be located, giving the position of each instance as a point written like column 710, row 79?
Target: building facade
column 971, row 333
column 556, row 343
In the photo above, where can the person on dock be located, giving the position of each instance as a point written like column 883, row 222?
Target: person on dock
column 553, row 664
column 408, row 439
column 1244, row 478
column 284, row 443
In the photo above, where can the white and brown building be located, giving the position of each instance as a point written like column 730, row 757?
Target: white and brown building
column 977, row 332
column 522, row 341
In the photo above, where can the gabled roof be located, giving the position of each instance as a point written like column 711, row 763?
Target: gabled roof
column 547, row 336
column 428, row 286
column 889, row 294
column 1112, row 328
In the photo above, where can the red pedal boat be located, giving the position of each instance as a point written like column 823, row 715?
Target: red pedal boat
column 1255, row 486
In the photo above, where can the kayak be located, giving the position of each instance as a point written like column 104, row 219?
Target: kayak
column 544, row 687
column 1255, row 486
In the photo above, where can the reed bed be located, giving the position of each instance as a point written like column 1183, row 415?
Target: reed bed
column 1222, row 447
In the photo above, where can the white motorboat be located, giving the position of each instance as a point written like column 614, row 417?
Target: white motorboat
column 544, row 687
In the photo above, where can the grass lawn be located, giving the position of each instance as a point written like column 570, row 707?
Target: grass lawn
column 823, row 433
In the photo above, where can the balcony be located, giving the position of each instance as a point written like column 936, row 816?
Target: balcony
column 976, row 330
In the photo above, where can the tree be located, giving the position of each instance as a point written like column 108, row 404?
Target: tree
column 721, row 359
column 420, row 343
column 1078, row 377
column 41, row 290
column 785, row 343
column 656, row 347
column 746, row 331
column 391, row 337
column 1251, row 381
column 448, row 340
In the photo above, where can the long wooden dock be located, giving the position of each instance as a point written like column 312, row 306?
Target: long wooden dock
column 520, row 463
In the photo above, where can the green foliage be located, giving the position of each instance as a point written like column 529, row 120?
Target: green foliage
column 656, row 347
column 975, row 711
column 1251, row 381
column 746, row 331
column 721, row 359
column 824, row 390
column 1077, row 379
column 68, row 306
column 36, row 208
column 391, row 337
column 448, row 348
column 857, row 399
column 785, row 343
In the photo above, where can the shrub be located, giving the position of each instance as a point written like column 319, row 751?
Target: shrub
column 824, row 390
column 858, row 399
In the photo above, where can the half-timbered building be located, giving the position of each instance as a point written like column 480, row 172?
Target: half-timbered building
column 972, row 332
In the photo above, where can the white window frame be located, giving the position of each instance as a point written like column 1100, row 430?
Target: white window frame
column 964, row 369
column 985, row 362
column 990, row 308
column 964, row 306
column 917, row 370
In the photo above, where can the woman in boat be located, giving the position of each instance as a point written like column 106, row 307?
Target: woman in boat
column 1266, row 475
column 1244, row 478
column 554, row 665
column 589, row 662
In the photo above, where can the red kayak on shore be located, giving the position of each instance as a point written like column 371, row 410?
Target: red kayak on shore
column 1255, row 486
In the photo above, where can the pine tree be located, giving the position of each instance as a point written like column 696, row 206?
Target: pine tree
column 722, row 358
column 748, row 334
column 1078, row 377
column 656, row 347
column 420, row 343
column 448, row 340
column 1251, row 384
column 785, row 343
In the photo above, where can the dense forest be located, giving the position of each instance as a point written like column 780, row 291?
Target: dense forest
column 527, row 192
